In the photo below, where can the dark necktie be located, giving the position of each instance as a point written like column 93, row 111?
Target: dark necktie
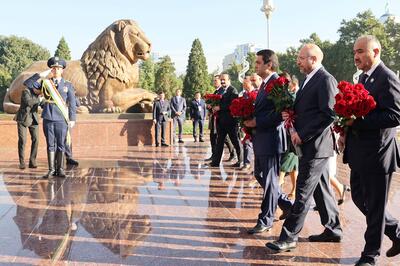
column 56, row 83
column 363, row 78
column 262, row 85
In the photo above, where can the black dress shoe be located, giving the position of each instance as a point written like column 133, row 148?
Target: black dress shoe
column 238, row 164
column 231, row 157
column 209, row 159
column 364, row 262
column 195, row 140
column 282, row 246
column 212, row 164
column 285, row 214
column 394, row 250
column 346, row 188
column 259, row 228
column 21, row 166
column 325, row 237
column 157, row 145
column 71, row 161
column 181, row 141
column 164, row 145
column 32, row 165
column 201, row 140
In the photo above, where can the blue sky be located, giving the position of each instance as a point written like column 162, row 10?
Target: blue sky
column 173, row 25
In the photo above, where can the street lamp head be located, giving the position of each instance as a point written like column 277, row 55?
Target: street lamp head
column 268, row 7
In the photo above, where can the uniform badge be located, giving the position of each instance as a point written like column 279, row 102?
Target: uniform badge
column 65, row 89
column 372, row 80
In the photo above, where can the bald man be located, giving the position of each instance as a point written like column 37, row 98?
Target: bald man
column 312, row 134
column 372, row 150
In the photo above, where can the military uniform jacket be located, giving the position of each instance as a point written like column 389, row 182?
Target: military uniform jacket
column 28, row 110
column 50, row 110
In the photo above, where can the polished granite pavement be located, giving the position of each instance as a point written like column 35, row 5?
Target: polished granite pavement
column 154, row 206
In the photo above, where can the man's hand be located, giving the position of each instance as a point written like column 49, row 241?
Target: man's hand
column 178, row 113
column 71, row 124
column 45, row 73
column 154, row 121
column 250, row 123
column 296, row 140
column 216, row 108
column 209, row 106
column 341, row 143
column 285, row 115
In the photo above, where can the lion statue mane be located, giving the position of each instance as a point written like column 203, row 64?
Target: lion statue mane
column 106, row 78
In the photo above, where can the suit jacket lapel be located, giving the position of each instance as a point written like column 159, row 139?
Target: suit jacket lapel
column 309, row 84
column 369, row 84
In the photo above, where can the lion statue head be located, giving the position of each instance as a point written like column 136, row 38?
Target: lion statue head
column 106, row 78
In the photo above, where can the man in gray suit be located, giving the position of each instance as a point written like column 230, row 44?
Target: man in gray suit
column 312, row 133
column 269, row 143
column 372, row 150
column 178, row 112
column 161, row 113
column 27, row 117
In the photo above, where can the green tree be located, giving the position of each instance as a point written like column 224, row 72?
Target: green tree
column 251, row 58
column 197, row 78
column 15, row 55
column 165, row 78
column 233, row 72
column 63, row 50
column 147, row 75
column 287, row 61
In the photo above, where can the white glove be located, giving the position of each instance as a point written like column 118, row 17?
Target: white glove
column 45, row 73
column 71, row 124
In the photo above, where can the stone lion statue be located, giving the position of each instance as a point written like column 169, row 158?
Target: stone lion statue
column 106, row 78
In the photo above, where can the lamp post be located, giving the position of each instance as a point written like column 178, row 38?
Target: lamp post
column 267, row 8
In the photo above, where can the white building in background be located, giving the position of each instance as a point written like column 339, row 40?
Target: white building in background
column 388, row 15
column 239, row 54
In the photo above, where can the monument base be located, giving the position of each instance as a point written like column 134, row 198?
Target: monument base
column 92, row 131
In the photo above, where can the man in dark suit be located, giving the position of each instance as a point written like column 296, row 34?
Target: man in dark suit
column 198, row 114
column 312, row 134
column 226, row 124
column 178, row 112
column 27, row 117
column 269, row 143
column 161, row 112
column 59, row 112
column 213, row 127
column 372, row 150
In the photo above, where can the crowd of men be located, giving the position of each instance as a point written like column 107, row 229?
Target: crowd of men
column 369, row 145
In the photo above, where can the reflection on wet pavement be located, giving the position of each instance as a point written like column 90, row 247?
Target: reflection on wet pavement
column 159, row 206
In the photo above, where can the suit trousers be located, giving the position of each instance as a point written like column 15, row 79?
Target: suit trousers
column 369, row 192
column 34, row 132
column 231, row 130
column 248, row 153
column 161, row 126
column 198, row 123
column 178, row 121
column 268, row 167
column 313, row 180
column 55, row 133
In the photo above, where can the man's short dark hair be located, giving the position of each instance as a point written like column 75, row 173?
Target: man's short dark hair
column 269, row 56
column 159, row 92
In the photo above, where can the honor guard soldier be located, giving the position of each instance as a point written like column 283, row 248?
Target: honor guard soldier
column 59, row 112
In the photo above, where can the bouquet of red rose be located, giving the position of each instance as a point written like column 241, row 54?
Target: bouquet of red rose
column 352, row 101
column 242, row 108
column 212, row 99
column 278, row 91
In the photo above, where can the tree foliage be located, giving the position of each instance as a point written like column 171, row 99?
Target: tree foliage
column 62, row 50
column 15, row 55
column 165, row 78
column 197, row 78
column 147, row 75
